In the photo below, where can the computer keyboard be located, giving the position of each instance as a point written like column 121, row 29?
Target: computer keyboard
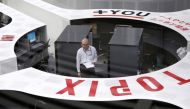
column 20, row 52
column 37, row 46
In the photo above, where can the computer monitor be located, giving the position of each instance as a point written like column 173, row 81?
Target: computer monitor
column 31, row 37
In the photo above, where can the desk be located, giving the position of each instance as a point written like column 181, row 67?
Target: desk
column 28, row 58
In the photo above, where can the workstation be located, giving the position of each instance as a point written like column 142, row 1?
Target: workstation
column 31, row 48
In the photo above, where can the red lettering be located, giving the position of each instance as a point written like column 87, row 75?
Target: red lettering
column 7, row 38
column 173, row 24
column 179, row 26
column 182, row 22
column 167, row 22
column 188, row 24
column 93, row 88
column 143, row 83
column 123, row 86
column 181, row 80
column 184, row 29
column 70, row 87
column 177, row 20
column 167, row 18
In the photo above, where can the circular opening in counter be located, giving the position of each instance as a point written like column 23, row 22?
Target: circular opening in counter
column 124, row 47
column 4, row 20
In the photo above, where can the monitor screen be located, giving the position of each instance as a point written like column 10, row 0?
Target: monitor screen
column 31, row 36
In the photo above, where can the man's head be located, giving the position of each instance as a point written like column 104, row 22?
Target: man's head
column 85, row 43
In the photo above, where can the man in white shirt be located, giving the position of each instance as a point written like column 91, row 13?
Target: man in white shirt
column 86, row 59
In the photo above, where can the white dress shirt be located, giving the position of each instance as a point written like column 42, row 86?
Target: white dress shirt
column 84, row 56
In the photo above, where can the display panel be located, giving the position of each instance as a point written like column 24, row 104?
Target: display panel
column 31, row 37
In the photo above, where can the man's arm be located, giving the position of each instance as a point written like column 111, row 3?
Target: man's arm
column 78, row 63
column 95, row 56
